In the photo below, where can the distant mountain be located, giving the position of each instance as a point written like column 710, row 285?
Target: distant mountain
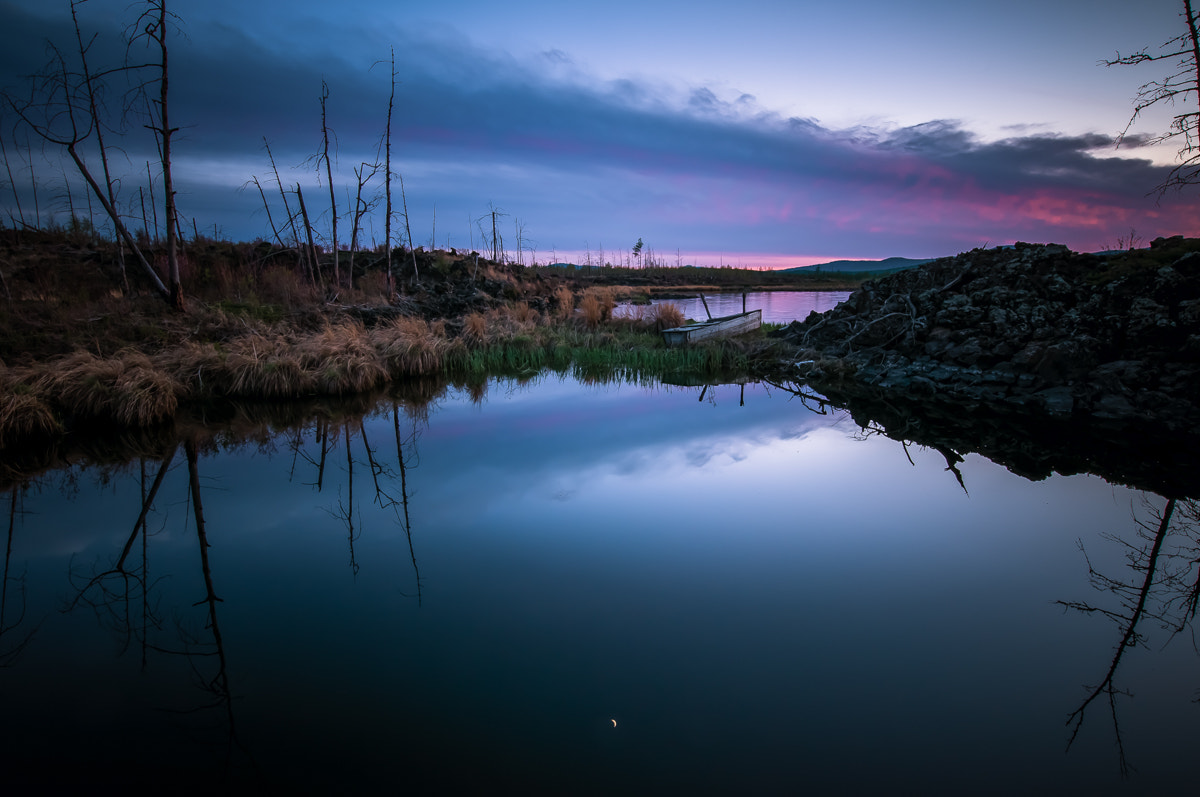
column 890, row 264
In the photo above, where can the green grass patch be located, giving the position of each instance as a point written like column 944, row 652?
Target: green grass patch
column 267, row 313
column 600, row 355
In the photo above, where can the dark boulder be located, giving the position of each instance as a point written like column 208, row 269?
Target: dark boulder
column 1036, row 328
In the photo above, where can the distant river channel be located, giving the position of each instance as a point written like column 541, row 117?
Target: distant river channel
column 778, row 307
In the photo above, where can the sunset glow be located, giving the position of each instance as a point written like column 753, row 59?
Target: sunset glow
column 695, row 142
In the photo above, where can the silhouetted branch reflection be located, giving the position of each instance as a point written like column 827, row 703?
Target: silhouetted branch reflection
column 346, row 511
column 390, row 483
column 10, row 648
column 1164, row 559
column 216, row 684
column 401, row 444
column 1029, row 444
column 112, row 593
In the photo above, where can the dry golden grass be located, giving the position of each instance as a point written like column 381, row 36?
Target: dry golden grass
column 24, row 415
column 564, row 301
column 411, row 347
column 475, row 328
column 667, row 316
column 126, row 389
column 260, row 366
column 596, row 305
column 196, row 366
column 524, row 315
column 145, row 395
column 343, row 358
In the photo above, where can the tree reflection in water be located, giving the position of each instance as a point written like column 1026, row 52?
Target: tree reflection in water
column 11, row 647
column 113, row 592
column 1162, row 586
column 390, row 484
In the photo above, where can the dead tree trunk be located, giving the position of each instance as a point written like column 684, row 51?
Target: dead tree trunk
column 387, row 181
column 305, row 263
column 408, row 227
column 267, row 207
column 93, row 110
column 153, row 23
column 329, row 178
column 312, row 248
column 13, row 183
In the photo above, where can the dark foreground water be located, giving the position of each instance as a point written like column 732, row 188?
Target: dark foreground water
column 564, row 588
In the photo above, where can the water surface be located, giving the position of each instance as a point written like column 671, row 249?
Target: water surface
column 573, row 588
column 778, row 307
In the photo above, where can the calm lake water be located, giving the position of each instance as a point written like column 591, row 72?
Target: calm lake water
column 778, row 307
column 557, row 587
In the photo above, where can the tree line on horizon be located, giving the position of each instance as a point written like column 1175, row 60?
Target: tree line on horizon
column 65, row 112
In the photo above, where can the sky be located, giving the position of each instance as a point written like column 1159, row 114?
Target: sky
column 757, row 134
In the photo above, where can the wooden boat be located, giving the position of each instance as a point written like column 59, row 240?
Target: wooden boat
column 713, row 328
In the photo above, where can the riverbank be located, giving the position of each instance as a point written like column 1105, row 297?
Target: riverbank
column 76, row 354
column 1039, row 330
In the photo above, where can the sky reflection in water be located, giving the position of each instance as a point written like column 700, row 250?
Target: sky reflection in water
column 763, row 597
column 778, row 307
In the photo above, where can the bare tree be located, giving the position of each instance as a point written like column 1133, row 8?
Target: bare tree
column 408, row 227
column 153, row 25
column 1182, row 85
column 387, row 181
column 329, row 178
column 312, row 247
column 94, row 109
column 520, row 232
column 20, row 217
column 361, row 207
column 55, row 110
column 267, row 208
column 305, row 257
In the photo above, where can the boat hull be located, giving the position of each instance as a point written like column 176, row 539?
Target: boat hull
column 713, row 328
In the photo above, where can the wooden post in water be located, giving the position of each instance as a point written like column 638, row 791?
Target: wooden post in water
column 706, row 310
column 743, row 301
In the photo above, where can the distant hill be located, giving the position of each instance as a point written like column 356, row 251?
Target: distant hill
column 890, row 264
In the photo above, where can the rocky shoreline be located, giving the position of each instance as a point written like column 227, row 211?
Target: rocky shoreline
column 1037, row 357
column 1036, row 329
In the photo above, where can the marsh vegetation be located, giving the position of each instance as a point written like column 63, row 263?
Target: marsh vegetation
column 76, row 352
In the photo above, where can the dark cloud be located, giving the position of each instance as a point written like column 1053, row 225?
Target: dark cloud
column 712, row 172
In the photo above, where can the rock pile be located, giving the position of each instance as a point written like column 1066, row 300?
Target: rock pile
column 1031, row 328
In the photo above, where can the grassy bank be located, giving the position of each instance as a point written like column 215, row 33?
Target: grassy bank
column 238, row 358
column 84, row 345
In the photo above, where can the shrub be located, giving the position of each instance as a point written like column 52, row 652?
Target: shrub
column 260, row 366
column 475, row 328
column 343, row 359
column 410, row 347
column 564, row 300
column 126, row 388
column 596, row 305
column 24, row 415
column 667, row 316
